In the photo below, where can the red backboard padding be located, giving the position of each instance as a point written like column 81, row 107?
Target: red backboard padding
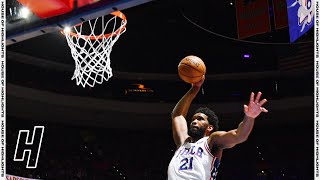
column 86, row 2
column 48, row 8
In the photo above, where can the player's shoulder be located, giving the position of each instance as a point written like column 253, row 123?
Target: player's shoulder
column 215, row 136
column 218, row 133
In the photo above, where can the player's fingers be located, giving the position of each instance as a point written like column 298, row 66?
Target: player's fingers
column 251, row 97
column 245, row 108
column 264, row 110
column 262, row 102
column 202, row 80
column 258, row 97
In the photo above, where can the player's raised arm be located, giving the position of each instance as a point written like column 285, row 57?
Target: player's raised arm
column 179, row 113
column 231, row 138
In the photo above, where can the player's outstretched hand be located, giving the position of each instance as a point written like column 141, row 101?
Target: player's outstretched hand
column 199, row 84
column 254, row 108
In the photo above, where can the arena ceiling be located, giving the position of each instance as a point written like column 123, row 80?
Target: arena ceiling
column 159, row 34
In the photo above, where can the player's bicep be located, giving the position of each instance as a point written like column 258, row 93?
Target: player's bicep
column 179, row 130
column 224, row 140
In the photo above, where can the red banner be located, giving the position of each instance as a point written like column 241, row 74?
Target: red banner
column 11, row 177
column 252, row 17
column 280, row 13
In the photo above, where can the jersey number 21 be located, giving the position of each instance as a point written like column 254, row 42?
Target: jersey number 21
column 186, row 164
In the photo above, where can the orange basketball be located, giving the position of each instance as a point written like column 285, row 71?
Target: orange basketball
column 191, row 69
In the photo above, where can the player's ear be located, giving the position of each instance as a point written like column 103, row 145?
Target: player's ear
column 210, row 128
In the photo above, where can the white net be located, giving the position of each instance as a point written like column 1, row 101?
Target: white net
column 91, row 47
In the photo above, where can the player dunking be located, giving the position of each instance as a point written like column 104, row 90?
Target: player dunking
column 199, row 152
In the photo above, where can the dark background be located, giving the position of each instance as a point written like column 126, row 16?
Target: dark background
column 90, row 133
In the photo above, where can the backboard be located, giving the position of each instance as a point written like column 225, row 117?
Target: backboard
column 20, row 26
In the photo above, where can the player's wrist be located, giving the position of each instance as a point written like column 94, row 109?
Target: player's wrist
column 195, row 86
column 195, row 89
column 248, row 117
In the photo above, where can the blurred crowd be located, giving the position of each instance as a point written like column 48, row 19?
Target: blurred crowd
column 89, row 153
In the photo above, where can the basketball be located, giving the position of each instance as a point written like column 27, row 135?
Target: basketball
column 191, row 69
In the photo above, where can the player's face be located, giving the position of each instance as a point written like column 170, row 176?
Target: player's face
column 198, row 126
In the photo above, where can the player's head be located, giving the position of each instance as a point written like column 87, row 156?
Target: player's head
column 203, row 123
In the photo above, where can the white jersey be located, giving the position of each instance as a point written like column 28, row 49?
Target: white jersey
column 193, row 161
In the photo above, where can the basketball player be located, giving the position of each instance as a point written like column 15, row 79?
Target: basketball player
column 199, row 152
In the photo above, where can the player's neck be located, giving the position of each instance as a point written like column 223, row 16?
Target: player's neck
column 195, row 139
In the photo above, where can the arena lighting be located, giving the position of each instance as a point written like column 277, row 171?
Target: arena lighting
column 138, row 88
column 246, row 55
column 13, row 11
column 24, row 12
column 67, row 29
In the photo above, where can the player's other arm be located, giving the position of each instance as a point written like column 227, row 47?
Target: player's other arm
column 179, row 113
column 231, row 138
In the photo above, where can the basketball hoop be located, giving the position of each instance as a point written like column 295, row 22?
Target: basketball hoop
column 91, row 51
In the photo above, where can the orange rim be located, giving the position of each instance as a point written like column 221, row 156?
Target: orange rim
column 119, row 14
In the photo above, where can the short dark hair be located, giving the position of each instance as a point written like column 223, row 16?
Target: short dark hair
column 212, row 117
